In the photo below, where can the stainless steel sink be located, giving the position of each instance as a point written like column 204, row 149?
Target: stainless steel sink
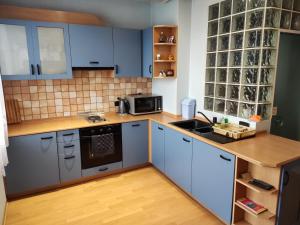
column 202, row 129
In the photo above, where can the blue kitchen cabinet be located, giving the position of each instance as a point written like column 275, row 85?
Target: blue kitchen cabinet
column 91, row 46
column 127, row 52
column 178, row 158
column 135, row 143
column 16, row 38
column 158, row 146
column 148, row 52
column 69, row 156
column 33, row 163
column 44, row 46
column 213, row 179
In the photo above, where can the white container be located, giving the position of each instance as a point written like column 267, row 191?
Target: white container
column 188, row 107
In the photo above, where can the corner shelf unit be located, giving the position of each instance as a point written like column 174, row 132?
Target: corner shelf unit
column 268, row 199
column 165, row 49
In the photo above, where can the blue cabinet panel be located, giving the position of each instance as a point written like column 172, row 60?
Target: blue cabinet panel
column 158, row 146
column 28, row 74
column 127, row 52
column 91, row 46
column 135, row 143
column 213, row 179
column 53, row 53
column 178, row 158
column 33, row 163
column 148, row 52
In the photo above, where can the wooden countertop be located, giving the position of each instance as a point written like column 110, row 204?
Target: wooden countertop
column 264, row 149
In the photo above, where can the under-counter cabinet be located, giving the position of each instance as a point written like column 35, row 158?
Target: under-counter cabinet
column 158, row 146
column 91, row 46
column 213, row 179
column 33, row 163
column 135, row 143
column 68, row 144
column 34, row 50
column 127, row 52
column 178, row 158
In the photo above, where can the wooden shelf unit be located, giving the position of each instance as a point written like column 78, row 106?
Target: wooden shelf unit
column 164, row 49
column 268, row 199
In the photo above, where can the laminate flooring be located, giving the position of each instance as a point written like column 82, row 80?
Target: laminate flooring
column 143, row 197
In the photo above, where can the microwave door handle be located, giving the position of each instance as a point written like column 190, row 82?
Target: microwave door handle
column 155, row 105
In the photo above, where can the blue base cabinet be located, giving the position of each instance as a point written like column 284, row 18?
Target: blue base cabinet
column 213, row 179
column 178, row 158
column 33, row 163
column 135, row 143
column 158, row 146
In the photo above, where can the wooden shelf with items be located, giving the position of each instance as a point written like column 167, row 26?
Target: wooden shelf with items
column 246, row 171
column 164, row 51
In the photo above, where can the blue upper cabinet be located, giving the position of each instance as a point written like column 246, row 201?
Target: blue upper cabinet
column 91, row 46
column 52, row 50
column 16, row 50
column 147, row 52
column 178, row 158
column 34, row 50
column 127, row 52
column 213, row 179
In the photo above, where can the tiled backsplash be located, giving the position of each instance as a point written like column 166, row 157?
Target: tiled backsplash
column 87, row 91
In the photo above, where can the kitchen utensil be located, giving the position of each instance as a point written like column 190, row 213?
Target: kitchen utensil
column 123, row 106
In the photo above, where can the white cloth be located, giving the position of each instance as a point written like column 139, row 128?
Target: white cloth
column 3, row 132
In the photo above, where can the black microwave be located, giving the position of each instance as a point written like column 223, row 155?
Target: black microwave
column 145, row 104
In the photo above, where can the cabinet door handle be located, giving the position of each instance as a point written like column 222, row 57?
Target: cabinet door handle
column 69, row 134
column 160, row 128
column 117, row 69
column 32, row 69
column 70, row 157
column 103, row 169
column 150, row 69
column 136, row 125
column 186, row 140
column 94, row 62
column 38, row 69
column 46, row 138
column 286, row 179
column 225, row 158
column 69, row 146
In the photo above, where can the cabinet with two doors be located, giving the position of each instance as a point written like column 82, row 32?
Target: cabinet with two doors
column 203, row 171
column 34, row 50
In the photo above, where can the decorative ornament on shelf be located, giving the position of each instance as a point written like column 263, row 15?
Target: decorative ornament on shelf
column 171, row 39
column 162, row 73
column 162, row 38
column 170, row 73
column 171, row 57
column 158, row 56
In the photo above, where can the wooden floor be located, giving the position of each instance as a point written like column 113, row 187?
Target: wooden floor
column 143, row 197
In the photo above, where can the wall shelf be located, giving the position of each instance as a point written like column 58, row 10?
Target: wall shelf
column 165, row 50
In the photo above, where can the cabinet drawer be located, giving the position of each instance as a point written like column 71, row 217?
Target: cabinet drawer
column 67, row 136
column 101, row 169
column 67, row 149
column 70, row 166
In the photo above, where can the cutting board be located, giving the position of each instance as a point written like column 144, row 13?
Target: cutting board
column 12, row 111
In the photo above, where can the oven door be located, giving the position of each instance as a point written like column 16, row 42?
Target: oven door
column 101, row 149
column 145, row 105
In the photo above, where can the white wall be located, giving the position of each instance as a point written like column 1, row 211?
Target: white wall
column 2, row 201
column 173, row 90
column 119, row 13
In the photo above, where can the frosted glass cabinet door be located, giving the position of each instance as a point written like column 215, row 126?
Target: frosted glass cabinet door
column 15, row 50
column 52, row 50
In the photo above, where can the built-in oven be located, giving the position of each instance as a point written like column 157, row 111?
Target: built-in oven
column 145, row 104
column 100, row 145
